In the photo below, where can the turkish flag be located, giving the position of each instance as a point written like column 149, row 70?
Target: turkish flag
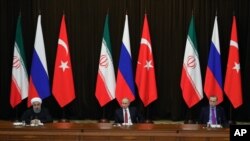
column 233, row 75
column 145, row 71
column 63, row 83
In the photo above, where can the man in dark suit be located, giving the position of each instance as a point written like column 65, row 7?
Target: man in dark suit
column 213, row 114
column 37, row 114
column 127, row 115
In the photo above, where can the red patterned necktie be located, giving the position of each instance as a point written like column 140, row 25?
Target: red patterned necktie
column 125, row 116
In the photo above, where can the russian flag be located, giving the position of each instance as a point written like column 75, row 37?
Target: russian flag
column 213, row 79
column 39, row 78
column 125, row 85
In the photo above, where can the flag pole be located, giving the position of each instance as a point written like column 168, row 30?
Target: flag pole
column 189, row 118
column 16, row 111
column 103, row 119
column 231, row 121
column 64, row 119
column 148, row 120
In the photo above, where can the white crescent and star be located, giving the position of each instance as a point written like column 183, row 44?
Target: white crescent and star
column 236, row 65
column 148, row 64
column 64, row 65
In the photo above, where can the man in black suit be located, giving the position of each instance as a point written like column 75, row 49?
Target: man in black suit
column 127, row 115
column 213, row 114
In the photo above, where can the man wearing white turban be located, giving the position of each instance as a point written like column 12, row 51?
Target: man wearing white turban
column 37, row 114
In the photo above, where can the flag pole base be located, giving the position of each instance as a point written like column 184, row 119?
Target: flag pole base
column 103, row 120
column 148, row 121
column 63, row 120
column 230, row 122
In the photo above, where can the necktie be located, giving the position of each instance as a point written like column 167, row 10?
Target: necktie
column 213, row 118
column 125, row 116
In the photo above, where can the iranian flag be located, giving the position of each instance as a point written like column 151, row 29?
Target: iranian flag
column 105, row 84
column 19, row 82
column 191, row 83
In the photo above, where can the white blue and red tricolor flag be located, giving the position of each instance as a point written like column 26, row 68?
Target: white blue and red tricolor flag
column 213, row 79
column 39, row 78
column 125, row 85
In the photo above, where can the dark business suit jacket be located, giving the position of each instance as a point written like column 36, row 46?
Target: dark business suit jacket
column 220, row 115
column 136, row 117
column 44, row 116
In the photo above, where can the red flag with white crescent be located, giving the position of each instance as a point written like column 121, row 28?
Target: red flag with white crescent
column 145, row 71
column 233, row 75
column 63, row 83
